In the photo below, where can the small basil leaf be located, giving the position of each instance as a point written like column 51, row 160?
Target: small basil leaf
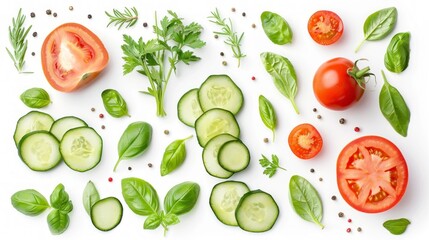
column 59, row 197
column 283, row 74
column 276, row 28
column 181, row 198
column 114, row 103
column 305, row 200
column 397, row 55
column 394, row 108
column 134, row 141
column 29, row 202
column 35, row 98
column 268, row 114
column 140, row 196
column 90, row 196
column 174, row 156
column 152, row 221
column 379, row 24
column 396, row 226
column 170, row 219
column 58, row 222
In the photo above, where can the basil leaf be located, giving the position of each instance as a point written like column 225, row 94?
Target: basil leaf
column 181, row 198
column 276, row 28
column 35, row 98
column 60, row 199
column 90, row 196
column 170, row 219
column 379, row 24
column 396, row 226
column 397, row 55
column 29, row 202
column 58, row 222
column 394, row 108
column 152, row 221
column 114, row 104
column 140, row 196
column 283, row 74
column 305, row 200
column 174, row 156
column 134, row 141
column 267, row 113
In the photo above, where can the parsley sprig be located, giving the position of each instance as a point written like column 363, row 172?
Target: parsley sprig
column 227, row 30
column 17, row 37
column 158, row 58
column 270, row 166
column 128, row 17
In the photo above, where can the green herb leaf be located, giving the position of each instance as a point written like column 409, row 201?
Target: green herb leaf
column 114, row 104
column 379, row 24
column 181, row 198
column 58, row 221
column 397, row 55
column 170, row 219
column 270, row 167
column 35, row 98
column 153, row 221
column 140, row 196
column 396, row 226
column 29, row 202
column 134, row 141
column 128, row 17
column 394, row 108
column 174, row 156
column 283, row 74
column 276, row 28
column 17, row 37
column 90, row 196
column 267, row 114
column 60, row 199
column 305, row 200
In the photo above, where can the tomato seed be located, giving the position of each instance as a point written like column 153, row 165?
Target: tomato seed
column 349, row 230
column 357, row 129
column 110, row 179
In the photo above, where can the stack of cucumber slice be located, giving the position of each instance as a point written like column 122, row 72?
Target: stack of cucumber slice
column 43, row 142
column 211, row 110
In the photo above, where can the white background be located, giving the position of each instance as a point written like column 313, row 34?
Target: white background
column 305, row 55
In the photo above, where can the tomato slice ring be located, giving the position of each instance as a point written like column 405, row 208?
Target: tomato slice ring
column 372, row 174
column 305, row 141
column 325, row 27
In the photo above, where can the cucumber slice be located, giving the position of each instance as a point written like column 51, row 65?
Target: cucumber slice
column 224, row 199
column 32, row 121
column 219, row 91
column 188, row 108
column 257, row 211
column 39, row 150
column 210, row 154
column 215, row 122
column 81, row 148
column 62, row 125
column 234, row 156
column 106, row 213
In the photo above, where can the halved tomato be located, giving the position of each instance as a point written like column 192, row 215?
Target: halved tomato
column 305, row 141
column 325, row 27
column 72, row 56
column 372, row 174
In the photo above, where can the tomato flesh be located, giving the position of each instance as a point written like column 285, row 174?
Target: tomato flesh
column 72, row 56
column 325, row 27
column 305, row 141
column 372, row 174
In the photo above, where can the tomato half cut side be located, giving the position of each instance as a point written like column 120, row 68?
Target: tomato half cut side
column 372, row 174
column 325, row 27
column 72, row 56
column 305, row 141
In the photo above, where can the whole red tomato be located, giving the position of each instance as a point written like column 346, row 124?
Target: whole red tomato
column 339, row 83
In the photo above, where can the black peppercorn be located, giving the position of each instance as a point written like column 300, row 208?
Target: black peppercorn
column 89, row 16
column 48, row 12
column 334, row 198
column 34, row 34
column 32, row 15
column 340, row 214
column 342, row 120
column 145, row 24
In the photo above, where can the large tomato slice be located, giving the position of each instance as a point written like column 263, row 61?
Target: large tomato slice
column 372, row 174
column 305, row 141
column 72, row 56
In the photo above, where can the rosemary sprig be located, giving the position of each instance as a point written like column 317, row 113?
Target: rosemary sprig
column 17, row 37
column 128, row 17
column 227, row 30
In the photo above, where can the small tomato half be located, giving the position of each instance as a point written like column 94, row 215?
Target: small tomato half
column 325, row 27
column 305, row 141
column 72, row 56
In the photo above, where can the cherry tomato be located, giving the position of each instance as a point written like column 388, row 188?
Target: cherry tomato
column 339, row 83
column 72, row 56
column 325, row 27
column 372, row 174
column 305, row 141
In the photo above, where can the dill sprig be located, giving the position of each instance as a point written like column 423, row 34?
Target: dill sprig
column 227, row 30
column 128, row 17
column 17, row 37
